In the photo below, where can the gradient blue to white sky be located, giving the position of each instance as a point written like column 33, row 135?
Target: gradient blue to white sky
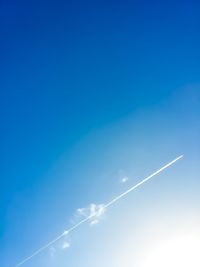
column 91, row 92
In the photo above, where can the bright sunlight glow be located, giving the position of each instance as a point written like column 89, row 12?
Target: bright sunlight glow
column 182, row 250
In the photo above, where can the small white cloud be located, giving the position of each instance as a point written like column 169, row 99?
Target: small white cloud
column 124, row 179
column 93, row 210
column 65, row 232
column 96, row 211
column 94, row 222
column 65, row 245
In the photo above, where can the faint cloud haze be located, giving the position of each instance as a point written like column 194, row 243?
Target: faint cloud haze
column 52, row 251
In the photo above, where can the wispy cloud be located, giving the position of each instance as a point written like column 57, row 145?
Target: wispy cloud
column 95, row 211
column 62, row 245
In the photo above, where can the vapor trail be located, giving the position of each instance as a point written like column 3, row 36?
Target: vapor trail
column 142, row 182
column 93, row 215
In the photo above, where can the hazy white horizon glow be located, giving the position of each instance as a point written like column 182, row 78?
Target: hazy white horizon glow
column 179, row 250
column 96, row 213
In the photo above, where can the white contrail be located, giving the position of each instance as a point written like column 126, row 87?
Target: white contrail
column 94, row 214
column 142, row 182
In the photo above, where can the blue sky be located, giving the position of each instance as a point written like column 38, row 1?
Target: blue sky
column 92, row 92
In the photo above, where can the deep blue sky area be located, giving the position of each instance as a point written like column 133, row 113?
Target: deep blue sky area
column 70, row 68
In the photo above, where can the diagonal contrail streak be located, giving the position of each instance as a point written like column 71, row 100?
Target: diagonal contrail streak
column 142, row 182
column 94, row 214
